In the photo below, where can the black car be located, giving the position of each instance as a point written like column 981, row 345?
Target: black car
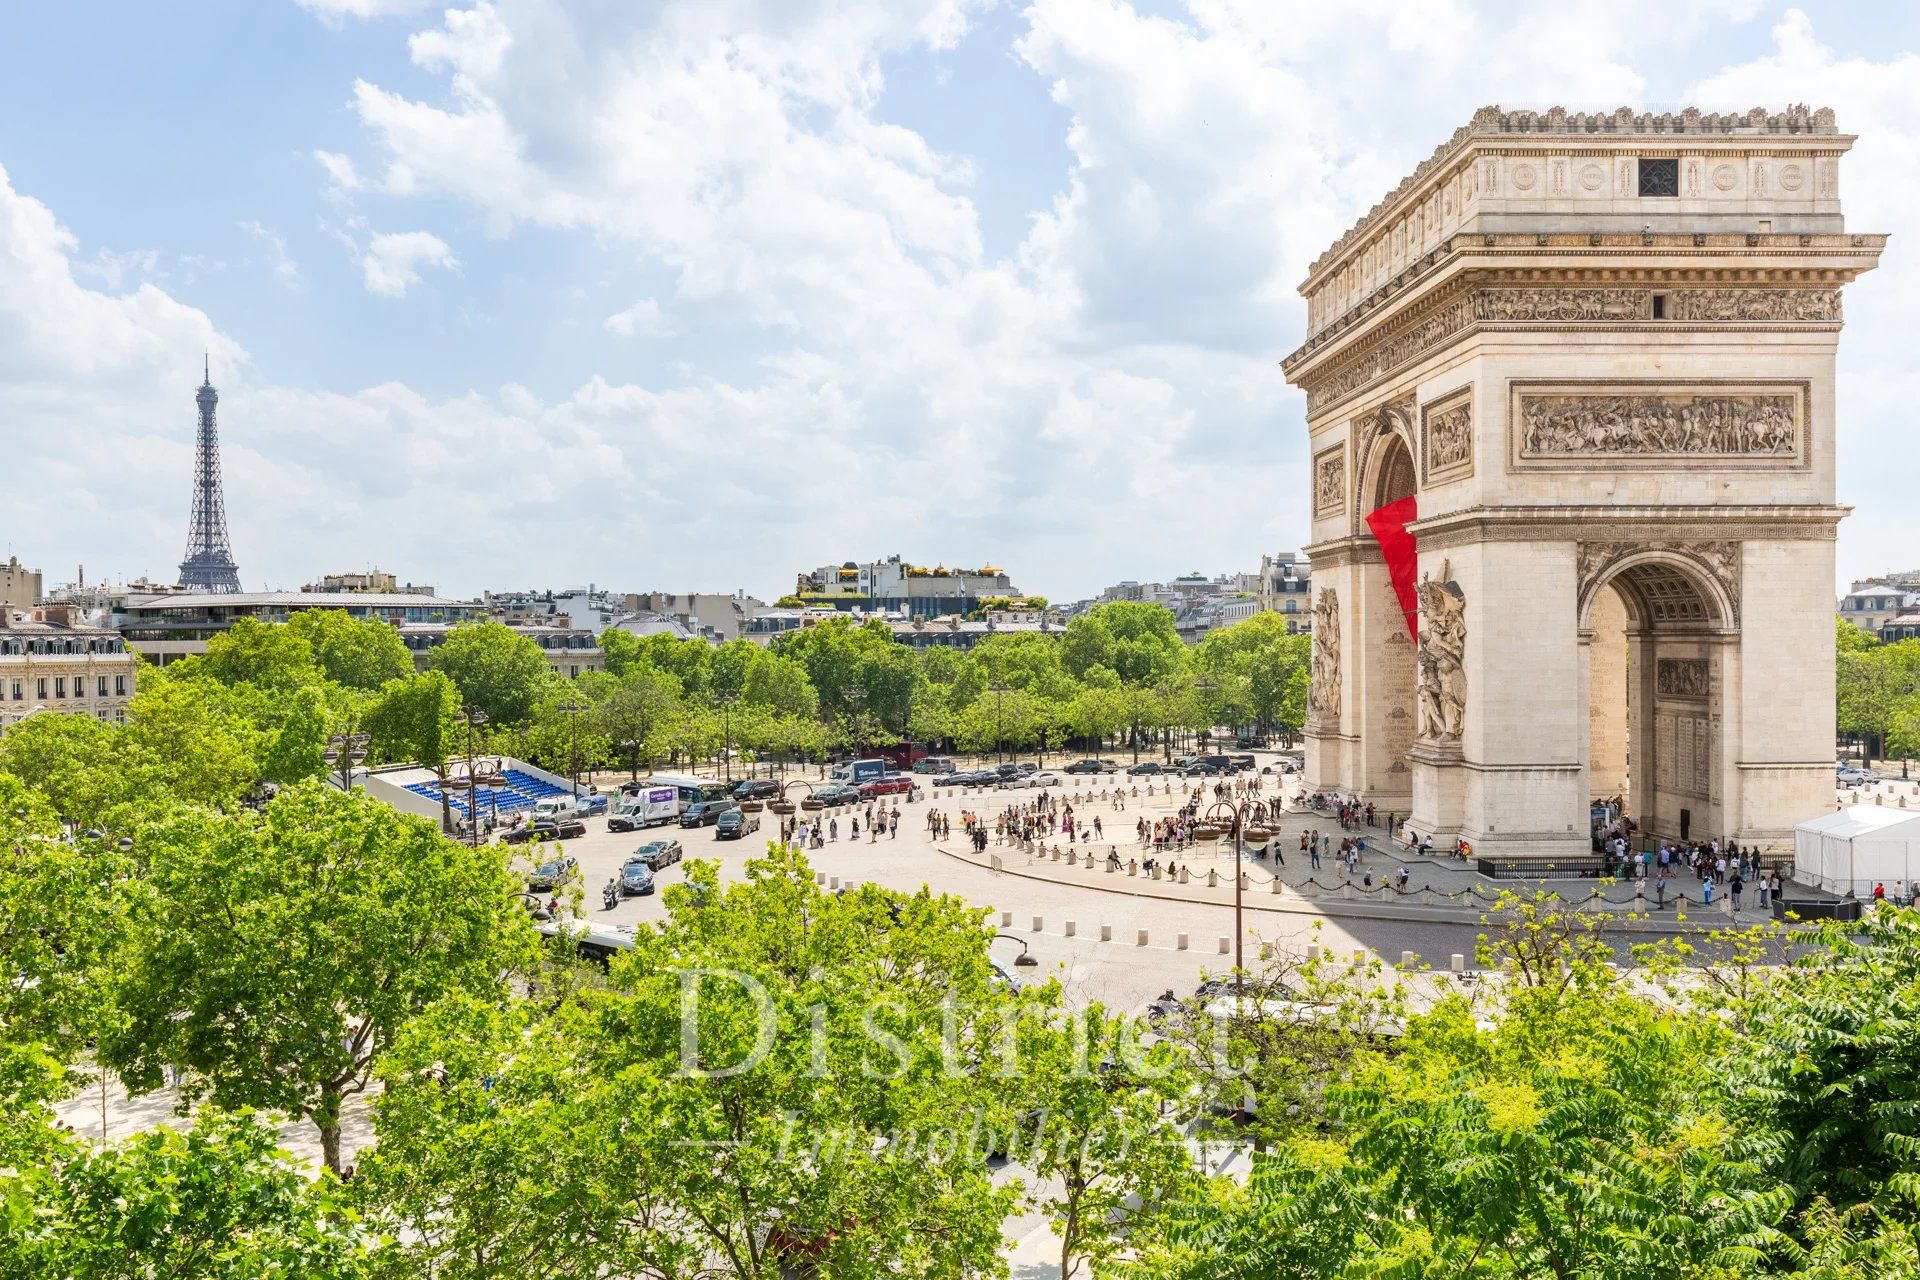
column 838, row 795
column 735, row 824
column 542, row 830
column 705, row 813
column 1146, row 768
column 757, row 789
column 552, row 874
column 1091, row 766
column 636, row 879
column 1243, row 762
column 657, row 854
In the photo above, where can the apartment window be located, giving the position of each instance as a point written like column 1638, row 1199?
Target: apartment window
column 103, row 686
column 1659, row 177
column 119, row 686
column 18, row 695
column 59, row 686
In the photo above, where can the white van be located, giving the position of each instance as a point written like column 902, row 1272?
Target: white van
column 554, row 807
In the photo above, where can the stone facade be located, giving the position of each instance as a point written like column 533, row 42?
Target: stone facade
column 1599, row 351
column 51, row 660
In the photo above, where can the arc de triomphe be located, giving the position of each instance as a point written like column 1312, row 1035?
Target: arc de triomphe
column 1570, row 389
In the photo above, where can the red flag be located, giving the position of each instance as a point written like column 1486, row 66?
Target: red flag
column 1389, row 525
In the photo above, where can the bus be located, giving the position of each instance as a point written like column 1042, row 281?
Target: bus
column 687, row 789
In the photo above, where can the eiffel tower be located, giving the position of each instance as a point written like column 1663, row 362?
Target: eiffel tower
column 209, row 564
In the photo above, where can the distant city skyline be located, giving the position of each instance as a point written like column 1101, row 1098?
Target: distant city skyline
column 513, row 293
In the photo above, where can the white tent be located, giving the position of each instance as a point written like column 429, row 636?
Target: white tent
column 1853, row 848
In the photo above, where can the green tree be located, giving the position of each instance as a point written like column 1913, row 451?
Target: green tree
column 1133, row 639
column 219, row 1202
column 416, row 718
column 360, row 653
column 181, row 744
column 72, row 760
column 279, row 952
column 266, row 654
column 497, row 670
column 1104, row 1141
column 809, row 1120
column 1261, row 667
column 633, row 713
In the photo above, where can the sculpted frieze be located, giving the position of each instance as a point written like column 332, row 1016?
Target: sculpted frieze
column 1330, row 482
column 1433, row 324
column 1682, row 678
column 1660, row 424
column 1565, row 304
column 1783, row 306
column 1448, row 438
column 1442, row 661
column 1323, row 688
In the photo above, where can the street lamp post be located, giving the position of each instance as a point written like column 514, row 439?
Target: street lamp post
column 1243, row 819
column 475, row 718
column 346, row 750
column 573, row 710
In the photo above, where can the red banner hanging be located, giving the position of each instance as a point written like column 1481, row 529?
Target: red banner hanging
column 1389, row 525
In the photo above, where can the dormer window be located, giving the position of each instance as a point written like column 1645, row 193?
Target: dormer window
column 1659, row 177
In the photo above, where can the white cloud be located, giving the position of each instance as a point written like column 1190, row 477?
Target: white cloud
column 279, row 261
column 341, row 174
column 393, row 260
column 642, row 319
column 332, row 11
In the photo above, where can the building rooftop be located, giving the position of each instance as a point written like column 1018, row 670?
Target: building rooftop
column 298, row 600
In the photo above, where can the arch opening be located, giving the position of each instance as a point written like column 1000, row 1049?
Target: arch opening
column 1651, row 630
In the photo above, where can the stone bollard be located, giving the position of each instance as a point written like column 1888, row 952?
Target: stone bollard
column 1179, row 942
column 1185, row 875
column 1133, row 867
column 1276, row 884
column 1266, row 951
column 1006, row 919
column 1213, row 878
column 820, row 878
column 1313, row 951
column 993, row 860
column 1070, row 927
column 1246, row 882
column 1458, row 963
column 1039, row 925
column 1408, row 959
column 1226, row 945
column 1142, row 939
column 1359, row 953
column 1106, row 933
column 834, row 883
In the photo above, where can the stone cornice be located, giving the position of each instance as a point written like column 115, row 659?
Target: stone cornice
column 1625, row 524
column 1518, row 256
column 1797, row 128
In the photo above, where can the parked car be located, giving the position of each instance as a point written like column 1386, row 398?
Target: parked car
column 837, row 794
column 1092, row 766
column 1848, row 776
column 554, row 873
column 934, row 764
column 1015, row 766
column 1186, row 761
column 757, row 789
column 658, row 854
column 893, row 784
column 1243, row 762
column 1249, row 743
column 588, row 806
column 545, row 829
column 706, row 813
column 1044, row 778
column 734, row 824
column 1146, row 769
column 972, row 778
column 636, row 879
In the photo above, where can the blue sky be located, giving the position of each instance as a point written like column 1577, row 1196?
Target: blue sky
column 696, row 295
